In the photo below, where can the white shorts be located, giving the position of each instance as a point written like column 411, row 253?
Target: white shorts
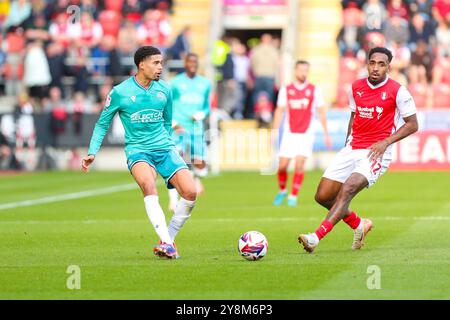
column 296, row 144
column 348, row 161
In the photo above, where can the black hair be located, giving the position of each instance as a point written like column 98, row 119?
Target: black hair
column 191, row 55
column 302, row 62
column 382, row 50
column 143, row 53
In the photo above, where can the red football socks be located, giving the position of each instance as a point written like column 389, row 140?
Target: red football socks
column 297, row 182
column 282, row 179
column 324, row 228
column 353, row 220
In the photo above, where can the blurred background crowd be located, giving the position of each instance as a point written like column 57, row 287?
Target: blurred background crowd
column 62, row 57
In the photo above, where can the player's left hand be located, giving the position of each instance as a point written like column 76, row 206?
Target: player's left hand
column 328, row 141
column 377, row 150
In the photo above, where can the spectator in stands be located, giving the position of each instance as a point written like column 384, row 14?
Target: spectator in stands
column 265, row 64
column 402, row 55
column 351, row 33
column 107, row 58
column 181, row 46
column 127, row 45
column 443, row 39
column 264, row 110
column 396, row 30
column 374, row 15
column 78, row 57
column 441, row 11
column 59, row 30
column 15, row 47
column 78, row 106
column 157, row 4
column 54, row 101
column 56, row 62
column 36, row 71
column 89, row 6
column 5, row 152
column 420, row 69
column 424, row 7
column 352, row 4
column 241, row 73
column 154, row 30
column 87, row 32
column 37, row 28
column 19, row 11
column 53, row 10
column 102, row 95
column 419, row 30
column 399, row 8
column 132, row 10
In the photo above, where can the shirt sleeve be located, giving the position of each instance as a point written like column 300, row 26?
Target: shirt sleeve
column 101, row 127
column 319, row 100
column 351, row 100
column 207, row 103
column 167, row 113
column 405, row 103
column 282, row 97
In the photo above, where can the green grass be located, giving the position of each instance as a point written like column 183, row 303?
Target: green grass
column 110, row 238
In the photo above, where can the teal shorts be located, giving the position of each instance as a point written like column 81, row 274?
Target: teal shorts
column 192, row 146
column 166, row 163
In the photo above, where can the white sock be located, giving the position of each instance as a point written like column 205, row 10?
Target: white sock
column 180, row 216
column 157, row 218
column 173, row 195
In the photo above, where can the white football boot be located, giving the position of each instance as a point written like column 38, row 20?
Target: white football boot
column 309, row 241
column 360, row 233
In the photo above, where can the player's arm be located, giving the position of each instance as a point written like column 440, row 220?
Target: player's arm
column 206, row 108
column 281, row 108
column 167, row 113
column 352, row 106
column 100, row 129
column 322, row 114
column 407, row 108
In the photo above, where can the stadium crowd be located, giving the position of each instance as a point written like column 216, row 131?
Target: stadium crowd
column 62, row 59
column 417, row 32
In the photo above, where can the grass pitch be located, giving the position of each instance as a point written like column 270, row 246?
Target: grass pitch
column 109, row 237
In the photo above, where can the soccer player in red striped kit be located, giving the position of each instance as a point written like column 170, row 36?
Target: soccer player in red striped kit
column 382, row 113
column 298, row 103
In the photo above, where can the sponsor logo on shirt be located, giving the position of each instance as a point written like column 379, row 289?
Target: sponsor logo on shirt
column 366, row 112
column 146, row 116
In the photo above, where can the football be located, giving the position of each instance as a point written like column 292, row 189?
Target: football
column 253, row 245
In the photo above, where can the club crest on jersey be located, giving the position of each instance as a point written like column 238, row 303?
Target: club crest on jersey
column 379, row 110
column 291, row 92
column 133, row 98
column 383, row 95
column 160, row 96
column 107, row 102
column 308, row 93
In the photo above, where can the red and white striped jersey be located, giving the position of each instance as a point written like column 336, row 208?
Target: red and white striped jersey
column 379, row 111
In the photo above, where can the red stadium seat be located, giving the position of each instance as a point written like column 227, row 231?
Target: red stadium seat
column 110, row 21
column 441, row 95
column 419, row 93
column 115, row 5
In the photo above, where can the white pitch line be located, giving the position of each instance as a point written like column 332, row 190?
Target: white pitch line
column 223, row 220
column 68, row 196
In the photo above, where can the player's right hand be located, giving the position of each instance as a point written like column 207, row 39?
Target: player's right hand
column 86, row 162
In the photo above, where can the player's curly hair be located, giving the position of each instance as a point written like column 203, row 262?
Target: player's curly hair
column 381, row 50
column 143, row 53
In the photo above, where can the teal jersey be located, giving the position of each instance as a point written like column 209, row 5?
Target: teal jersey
column 189, row 97
column 146, row 115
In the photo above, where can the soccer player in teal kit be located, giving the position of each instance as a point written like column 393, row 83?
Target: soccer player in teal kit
column 144, row 104
column 191, row 105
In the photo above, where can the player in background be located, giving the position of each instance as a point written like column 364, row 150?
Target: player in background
column 191, row 105
column 382, row 113
column 144, row 104
column 297, row 104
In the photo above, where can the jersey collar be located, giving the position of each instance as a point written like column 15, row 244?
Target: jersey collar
column 141, row 86
column 371, row 86
column 300, row 86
